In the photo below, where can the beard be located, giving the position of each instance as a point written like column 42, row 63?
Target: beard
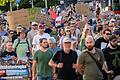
column 89, row 48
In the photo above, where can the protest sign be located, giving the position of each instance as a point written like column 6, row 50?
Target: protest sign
column 18, row 17
column 82, row 9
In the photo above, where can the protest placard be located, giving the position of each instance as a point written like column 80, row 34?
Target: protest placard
column 18, row 17
column 82, row 9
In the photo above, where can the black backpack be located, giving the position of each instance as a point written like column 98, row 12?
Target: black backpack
column 78, row 75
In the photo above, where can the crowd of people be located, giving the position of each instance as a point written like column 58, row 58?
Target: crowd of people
column 66, row 52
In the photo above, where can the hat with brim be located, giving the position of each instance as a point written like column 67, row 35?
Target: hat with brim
column 41, row 26
column 66, row 40
column 112, row 20
column 67, row 28
column 22, row 30
column 19, row 26
column 34, row 24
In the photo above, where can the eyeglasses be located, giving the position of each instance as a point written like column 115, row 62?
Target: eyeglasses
column 68, row 31
column 67, row 42
column 106, row 24
column 41, row 28
column 108, row 33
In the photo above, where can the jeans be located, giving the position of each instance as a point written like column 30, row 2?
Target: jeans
column 44, row 78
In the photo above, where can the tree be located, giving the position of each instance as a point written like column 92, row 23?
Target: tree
column 24, row 4
column 3, row 2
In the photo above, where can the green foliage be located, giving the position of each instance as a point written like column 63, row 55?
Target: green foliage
column 3, row 2
column 32, row 12
column 24, row 4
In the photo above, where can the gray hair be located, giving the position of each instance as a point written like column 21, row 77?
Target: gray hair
column 52, row 39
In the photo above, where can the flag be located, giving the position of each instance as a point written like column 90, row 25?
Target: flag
column 53, row 14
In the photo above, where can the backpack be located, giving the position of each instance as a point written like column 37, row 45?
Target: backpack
column 78, row 75
column 19, row 43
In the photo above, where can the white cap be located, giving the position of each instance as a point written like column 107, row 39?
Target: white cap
column 112, row 20
column 34, row 23
column 66, row 39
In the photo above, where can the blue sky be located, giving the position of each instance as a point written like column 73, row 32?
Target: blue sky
column 17, row 1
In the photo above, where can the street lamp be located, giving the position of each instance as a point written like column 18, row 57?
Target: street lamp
column 17, row 5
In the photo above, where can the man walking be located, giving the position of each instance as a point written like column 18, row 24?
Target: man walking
column 40, row 62
column 112, row 56
column 86, row 65
column 64, row 61
column 41, row 34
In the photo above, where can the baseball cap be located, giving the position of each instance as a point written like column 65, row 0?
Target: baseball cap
column 19, row 26
column 112, row 20
column 10, row 31
column 67, row 28
column 22, row 30
column 34, row 24
column 41, row 26
column 66, row 39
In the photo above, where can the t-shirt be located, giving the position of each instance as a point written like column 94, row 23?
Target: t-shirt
column 43, row 58
column 36, row 39
column 22, row 48
column 48, row 30
column 91, row 70
column 67, row 72
column 101, row 43
column 112, row 57
column 30, row 35
column 8, row 55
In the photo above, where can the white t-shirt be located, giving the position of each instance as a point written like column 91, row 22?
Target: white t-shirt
column 78, row 33
column 36, row 40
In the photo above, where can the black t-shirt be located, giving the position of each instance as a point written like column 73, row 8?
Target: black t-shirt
column 99, row 41
column 67, row 72
column 48, row 30
column 112, row 57
column 8, row 55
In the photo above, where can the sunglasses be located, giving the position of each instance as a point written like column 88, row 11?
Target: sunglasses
column 108, row 34
column 68, row 31
column 41, row 28
column 106, row 24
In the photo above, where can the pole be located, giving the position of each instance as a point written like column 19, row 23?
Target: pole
column 46, row 4
column 32, row 4
column 11, row 6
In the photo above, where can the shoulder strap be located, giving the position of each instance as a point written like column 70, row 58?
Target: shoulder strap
column 28, row 44
column 96, row 61
column 74, row 59
column 17, row 44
